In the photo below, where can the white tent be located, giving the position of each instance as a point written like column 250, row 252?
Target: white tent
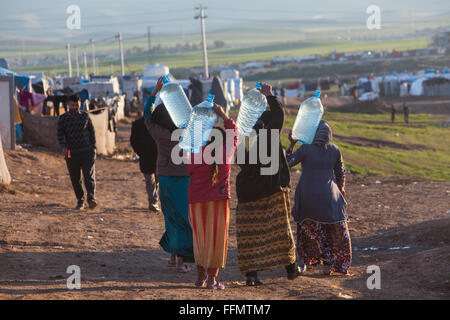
column 5, row 178
column 7, row 129
column 156, row 71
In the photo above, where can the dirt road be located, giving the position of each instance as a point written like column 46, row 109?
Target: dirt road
column 400, row 225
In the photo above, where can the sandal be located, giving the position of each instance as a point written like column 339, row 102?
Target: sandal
column 171, row 264
column 216, row 286
column 184, row 269
column 199, row 283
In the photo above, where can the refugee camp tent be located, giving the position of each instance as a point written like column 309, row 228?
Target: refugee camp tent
column 156, row 71
column 20, row 80
column 5, row 178
column 437, row 87
column 7, row 128
column 99, row 88
column 128, row 84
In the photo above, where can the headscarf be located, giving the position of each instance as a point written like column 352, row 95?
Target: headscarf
column 323, row 135
column 162, row 117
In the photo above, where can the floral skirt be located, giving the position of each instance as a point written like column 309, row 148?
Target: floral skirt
column 329, row 244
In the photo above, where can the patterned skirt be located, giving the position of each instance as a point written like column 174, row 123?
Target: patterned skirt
column 264, row 236
column 210, row 221
column 329, row 244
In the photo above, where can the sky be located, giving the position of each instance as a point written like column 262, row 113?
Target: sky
column 46, row 19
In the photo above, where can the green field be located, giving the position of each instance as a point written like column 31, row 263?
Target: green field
column 240, row 54
column 419, row 150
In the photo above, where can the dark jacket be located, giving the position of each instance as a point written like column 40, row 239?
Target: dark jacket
column 250, row 184
column 318, row 195
column 76, row 132
column 144, row 146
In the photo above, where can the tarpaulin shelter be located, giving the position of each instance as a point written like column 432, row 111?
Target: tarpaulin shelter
column 20, row 81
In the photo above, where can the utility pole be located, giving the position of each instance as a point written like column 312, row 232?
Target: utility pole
column 149, row 35
column 85, row 65
column 93, row 55
column 96, row 65
column 411, row 22
column 77, row 61
column 122, row 63
column 202, row 18
column 69, row 60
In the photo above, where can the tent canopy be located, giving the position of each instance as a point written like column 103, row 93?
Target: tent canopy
column 20, row 80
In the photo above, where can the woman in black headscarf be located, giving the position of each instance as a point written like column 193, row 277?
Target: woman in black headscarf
column 320, row 206
column 264, row 236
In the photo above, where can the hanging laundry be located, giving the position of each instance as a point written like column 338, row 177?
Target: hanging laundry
column 25, row 98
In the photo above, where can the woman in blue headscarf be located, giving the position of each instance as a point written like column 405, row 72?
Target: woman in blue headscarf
column 320, row 206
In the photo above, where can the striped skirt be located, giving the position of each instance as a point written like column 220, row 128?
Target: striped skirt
column 209, row 221
column 264, row 235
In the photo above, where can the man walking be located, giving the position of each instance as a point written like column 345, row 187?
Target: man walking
column 145, row 147
column 406, row 112
column 392, row 113
column 76, row 137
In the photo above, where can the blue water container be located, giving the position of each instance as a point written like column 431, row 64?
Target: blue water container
column 197, row 132
column 254, row 103
column 176, row 102
column 308, row 119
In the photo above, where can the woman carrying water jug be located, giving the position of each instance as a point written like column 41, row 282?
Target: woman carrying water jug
column 320, row 206
column 264, row 237
column 173, row 186
column 209, row 194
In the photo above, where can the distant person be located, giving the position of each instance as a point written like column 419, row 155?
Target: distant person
column 145, row 147
column 354, row 91
column 76, row 137
column 320, row 206
column 406, row 112
column 283, row 96
column 392, row 113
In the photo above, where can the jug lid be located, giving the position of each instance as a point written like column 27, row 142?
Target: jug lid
column 258, row 85
column 167, row 78
column 317, row 94
column 210, row 98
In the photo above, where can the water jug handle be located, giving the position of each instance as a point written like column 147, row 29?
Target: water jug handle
column 258, row 85
column 210, row 98
column 317, row 94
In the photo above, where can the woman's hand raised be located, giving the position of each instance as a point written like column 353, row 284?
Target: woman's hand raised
column 158, row 87
column 266, row 89
column 218, row 109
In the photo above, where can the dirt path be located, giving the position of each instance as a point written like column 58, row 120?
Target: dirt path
column 400, row 225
